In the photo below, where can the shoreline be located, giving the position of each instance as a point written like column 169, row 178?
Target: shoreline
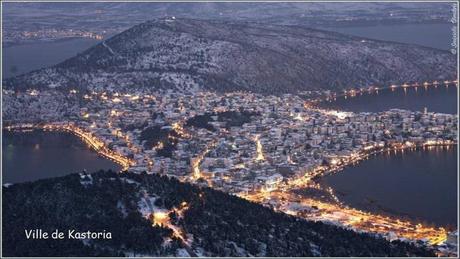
column 92, row 142
column 434, row 236
column 44, row 41
column 351, row 217
column 339, row 164
column 391, row 149
column 352, row 92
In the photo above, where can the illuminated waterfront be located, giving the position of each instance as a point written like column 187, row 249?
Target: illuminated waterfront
column 439, row 98
column 227, row 132
column 284, row 197
column 413, row 199
column 33, row 155
column 418, row 184
column 86, row 137
column 243, row 159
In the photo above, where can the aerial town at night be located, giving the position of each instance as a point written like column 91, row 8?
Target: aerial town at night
column 229, row 129
column 258, row 147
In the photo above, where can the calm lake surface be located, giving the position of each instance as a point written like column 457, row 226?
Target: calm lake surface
column 21, row 59
column 419, row 185
column 436, row 99
column 437, row 35
column 36, row 155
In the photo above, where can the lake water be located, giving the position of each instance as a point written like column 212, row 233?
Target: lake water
column 36, row 155
column 437, row 35
column 21, row 59
column 419, row 185
column 436, row 99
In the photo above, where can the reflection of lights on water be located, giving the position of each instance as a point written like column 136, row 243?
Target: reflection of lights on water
column 375, row 90
column 347, row 216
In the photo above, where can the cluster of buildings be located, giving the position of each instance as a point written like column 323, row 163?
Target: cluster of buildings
column 288, row 140
column 281, row 143
column 284, row 138
column 13, row 36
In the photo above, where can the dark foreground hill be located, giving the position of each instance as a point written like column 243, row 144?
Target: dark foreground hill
column 218, row 224
column 189, row 54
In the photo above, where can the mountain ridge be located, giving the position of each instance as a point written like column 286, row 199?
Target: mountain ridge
column 192, row 54
column 212, row 222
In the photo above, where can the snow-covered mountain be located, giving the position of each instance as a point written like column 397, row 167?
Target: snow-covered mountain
column 212, row 223
column 189, row 54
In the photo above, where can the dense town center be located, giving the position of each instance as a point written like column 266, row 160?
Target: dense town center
column 262, row 148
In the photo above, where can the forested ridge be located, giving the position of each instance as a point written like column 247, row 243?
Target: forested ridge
column 220, row 224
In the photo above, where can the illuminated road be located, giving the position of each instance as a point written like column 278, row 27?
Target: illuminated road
column 87, row 137
column 259, row 150
column 283, row 196
column 336, row 212
column 375, row 89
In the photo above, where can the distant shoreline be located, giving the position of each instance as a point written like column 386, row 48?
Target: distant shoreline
column 33, row 42
column 320, row 26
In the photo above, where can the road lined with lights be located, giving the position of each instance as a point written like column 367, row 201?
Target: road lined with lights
column 374, row 89
column 315, row 209
column 282, row 195
column 163, row 219
column 87, row 137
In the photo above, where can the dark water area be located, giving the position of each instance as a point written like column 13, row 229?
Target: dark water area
column 418, row 185
column 36, row 155
column 436, row 35
column 442, row 99
column 20, row 59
